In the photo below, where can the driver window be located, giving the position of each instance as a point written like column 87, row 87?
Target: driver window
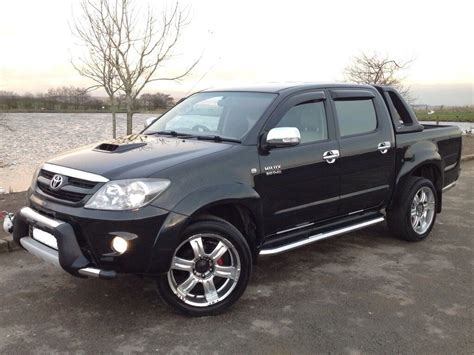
column 309, row 118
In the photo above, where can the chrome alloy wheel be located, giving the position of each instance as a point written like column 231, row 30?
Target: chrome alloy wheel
column 422, row 210
column 205, row 270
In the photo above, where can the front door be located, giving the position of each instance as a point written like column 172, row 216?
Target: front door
column 297, row 185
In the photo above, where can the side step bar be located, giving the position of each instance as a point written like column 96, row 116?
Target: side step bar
column 450, row 186
column 320, row 236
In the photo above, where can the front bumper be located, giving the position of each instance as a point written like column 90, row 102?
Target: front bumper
column 68, row 256
column 84, row 237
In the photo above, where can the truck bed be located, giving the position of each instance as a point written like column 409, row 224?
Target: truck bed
column 448, row 140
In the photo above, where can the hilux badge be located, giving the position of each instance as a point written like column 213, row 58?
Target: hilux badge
column 56, row 182
column 272, row 169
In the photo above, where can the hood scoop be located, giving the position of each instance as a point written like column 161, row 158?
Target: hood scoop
column 118, row 148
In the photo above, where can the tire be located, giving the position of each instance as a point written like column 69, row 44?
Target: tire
column 405, row 218
column 210, row 270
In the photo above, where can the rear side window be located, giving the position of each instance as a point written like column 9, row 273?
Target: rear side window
column 309, row 118
column 401, row 113
column 355, row 116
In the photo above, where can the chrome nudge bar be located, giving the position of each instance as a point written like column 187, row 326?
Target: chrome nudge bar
column 40, row 250
column 68, row 256
column 35, row 218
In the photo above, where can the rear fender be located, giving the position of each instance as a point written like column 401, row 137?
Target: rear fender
column 420, row 154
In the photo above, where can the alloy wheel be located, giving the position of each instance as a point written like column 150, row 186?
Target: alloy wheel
column 422, row 210
column 205, row 270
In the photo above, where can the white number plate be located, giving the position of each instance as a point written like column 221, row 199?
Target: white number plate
column 45, row 238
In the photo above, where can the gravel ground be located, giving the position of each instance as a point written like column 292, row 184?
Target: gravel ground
column 468, row 145
column 364, row 292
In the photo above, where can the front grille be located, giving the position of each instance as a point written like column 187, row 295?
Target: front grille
column 73, row 190
column 47, row 174
column 81, row 183
column 62, row 194
column 71, row 180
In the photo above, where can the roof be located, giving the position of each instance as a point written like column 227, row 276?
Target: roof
column 279, row 87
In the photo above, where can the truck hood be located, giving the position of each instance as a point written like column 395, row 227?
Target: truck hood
column 136, row 156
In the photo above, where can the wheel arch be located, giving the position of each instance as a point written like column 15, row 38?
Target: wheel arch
column 422, row 160
column 240, row 215
column 236, row 203
column 433, row 173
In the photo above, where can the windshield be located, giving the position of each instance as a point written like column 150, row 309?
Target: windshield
column 224, row 114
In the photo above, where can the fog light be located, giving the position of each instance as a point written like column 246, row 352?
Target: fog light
column 119, row 245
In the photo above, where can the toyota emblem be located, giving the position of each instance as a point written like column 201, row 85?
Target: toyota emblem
column 56, row 182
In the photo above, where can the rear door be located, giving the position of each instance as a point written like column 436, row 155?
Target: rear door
column 297, row 185
column 367, row 149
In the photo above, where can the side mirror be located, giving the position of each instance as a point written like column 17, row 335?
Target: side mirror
column 283, row 137
column 150, row 121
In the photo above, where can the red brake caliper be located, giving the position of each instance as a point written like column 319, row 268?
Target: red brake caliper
column 220, row 262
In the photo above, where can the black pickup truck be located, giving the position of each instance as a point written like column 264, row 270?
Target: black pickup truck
column 228, row 175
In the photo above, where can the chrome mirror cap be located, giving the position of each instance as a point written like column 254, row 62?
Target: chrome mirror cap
column 150, row 121
column 283, row 137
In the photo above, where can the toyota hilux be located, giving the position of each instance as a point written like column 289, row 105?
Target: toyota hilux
column 230, row 175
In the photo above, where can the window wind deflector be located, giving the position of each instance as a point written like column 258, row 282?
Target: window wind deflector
column 311, row 97
column 351, row 94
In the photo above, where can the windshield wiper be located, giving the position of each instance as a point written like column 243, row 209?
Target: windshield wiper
column 218, row 139
column 172, row 133
column 199, row 137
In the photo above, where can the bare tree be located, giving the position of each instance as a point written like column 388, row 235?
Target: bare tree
column 377, row 69
column 133, row 43
column 96, row 64
column 99, row 70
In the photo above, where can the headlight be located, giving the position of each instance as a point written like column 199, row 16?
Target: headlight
column 127, row 194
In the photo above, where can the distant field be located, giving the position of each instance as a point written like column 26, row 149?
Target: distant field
column 450, row 116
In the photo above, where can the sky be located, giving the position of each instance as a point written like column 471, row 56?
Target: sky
column 244, row 42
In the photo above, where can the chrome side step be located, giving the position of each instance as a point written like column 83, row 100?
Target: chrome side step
column 102, row 274
column 320, row 236
column 450, row 186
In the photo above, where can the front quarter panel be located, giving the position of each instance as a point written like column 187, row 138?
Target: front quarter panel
column 224, row 193
column 225, row 177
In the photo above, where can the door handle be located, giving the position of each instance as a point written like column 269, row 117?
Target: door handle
column 330, row 156
column 383, row 147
